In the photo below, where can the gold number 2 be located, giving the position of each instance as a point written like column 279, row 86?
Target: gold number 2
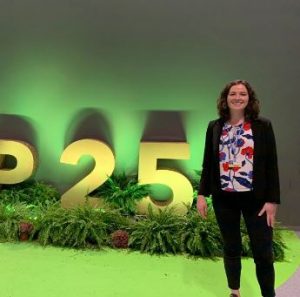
column 104, row 166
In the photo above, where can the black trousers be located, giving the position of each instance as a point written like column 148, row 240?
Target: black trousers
column 228, row 207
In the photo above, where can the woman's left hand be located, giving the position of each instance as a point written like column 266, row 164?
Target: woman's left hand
column 270, row 210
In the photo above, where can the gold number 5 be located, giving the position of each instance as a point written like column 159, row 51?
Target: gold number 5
column 182, row 189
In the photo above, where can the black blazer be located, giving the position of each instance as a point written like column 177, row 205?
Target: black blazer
column 265, row 168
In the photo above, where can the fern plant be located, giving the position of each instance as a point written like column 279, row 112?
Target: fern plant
column 158, row 233
column 10, row 218
column 114, row 220
column 201, row 237
column 194, row 178
column 78, row 227
column 122, row 192
column 30, row 193
column 278, row 243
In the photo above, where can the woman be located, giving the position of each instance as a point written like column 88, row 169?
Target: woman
column 240, row 172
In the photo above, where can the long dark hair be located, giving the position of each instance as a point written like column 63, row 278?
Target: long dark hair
column 252, row 109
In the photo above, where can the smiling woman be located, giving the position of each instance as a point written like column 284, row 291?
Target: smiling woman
column 240, row 171
column 238, row 97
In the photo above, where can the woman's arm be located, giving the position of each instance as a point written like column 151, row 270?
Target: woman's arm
column 204, row 185
column 272, row 181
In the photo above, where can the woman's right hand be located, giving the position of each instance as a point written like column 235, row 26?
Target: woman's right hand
column 202, row 206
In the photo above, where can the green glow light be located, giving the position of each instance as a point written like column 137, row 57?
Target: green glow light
column 52, row 87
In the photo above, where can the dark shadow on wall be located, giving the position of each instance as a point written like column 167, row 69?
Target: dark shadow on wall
column 15, row 127
column 89, row 123
column 166, row 126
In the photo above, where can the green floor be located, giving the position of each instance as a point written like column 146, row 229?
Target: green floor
column 29, row 270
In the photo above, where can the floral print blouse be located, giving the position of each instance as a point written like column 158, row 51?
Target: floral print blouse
column 236, row 157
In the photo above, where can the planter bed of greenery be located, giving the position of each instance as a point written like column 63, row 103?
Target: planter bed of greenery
column 32, row 211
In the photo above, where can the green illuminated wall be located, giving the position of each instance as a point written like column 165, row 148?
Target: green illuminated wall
column 72, row 69
column 58, row 92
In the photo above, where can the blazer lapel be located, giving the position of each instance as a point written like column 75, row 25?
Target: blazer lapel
column 217, row 129
column 257, row 136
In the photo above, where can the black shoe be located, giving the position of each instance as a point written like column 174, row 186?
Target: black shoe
column 233, row 295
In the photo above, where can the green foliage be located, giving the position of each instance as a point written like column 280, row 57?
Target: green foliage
column 122, row 192
column 194, row 179
column 30, row 193
column 114, row 220
column 161, row 231
column 201, row 237
column 10, row 218
column 78, row 227
column 158, row 232
column 278, row 244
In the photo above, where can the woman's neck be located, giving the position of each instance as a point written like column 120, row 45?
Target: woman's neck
column 236, row 118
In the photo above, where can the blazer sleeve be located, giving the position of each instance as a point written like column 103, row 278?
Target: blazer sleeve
column 205, row 182
column 273, row 186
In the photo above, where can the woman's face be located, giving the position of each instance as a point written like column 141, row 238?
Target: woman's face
column 237, row 98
